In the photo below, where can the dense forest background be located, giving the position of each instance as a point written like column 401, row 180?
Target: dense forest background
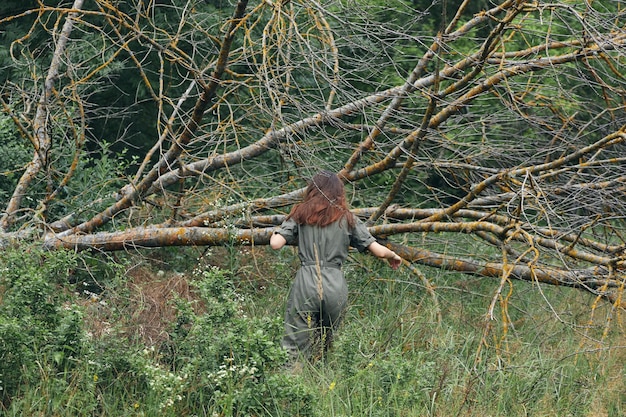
column 149, row 148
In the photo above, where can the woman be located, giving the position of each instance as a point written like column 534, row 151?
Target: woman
column 323, row 228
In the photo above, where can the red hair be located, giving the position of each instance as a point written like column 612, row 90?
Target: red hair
column 324, row 202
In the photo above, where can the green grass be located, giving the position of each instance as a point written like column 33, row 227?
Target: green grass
column 156, row 344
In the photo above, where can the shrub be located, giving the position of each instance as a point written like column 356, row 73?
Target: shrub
column 37, row 326
column 222, row 356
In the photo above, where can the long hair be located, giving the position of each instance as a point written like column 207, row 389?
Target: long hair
column 324, row 202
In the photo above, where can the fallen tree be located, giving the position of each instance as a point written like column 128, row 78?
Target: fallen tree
column 489, row 143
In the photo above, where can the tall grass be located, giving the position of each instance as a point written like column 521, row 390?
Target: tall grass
column 158, row 341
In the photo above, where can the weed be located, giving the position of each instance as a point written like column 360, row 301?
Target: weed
column 206, row 342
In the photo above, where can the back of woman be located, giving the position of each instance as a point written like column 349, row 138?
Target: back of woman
column 324, row 229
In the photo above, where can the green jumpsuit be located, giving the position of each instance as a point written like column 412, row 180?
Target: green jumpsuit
column 319, row 293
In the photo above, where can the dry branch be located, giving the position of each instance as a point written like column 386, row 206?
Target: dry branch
column 501, row 128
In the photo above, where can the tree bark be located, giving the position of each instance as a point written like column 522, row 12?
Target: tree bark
column 499, row 138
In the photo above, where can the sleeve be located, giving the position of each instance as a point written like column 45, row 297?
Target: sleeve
column 360, row 237
column 289, row 230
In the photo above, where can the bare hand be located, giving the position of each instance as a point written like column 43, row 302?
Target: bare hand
column 395, row 262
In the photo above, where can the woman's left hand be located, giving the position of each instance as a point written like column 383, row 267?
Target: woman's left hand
column 395, row 262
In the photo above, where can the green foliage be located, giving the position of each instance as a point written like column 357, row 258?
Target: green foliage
column 233, row 357
column 97, row 178
column 401, row 351
column 14, row 353
column 38, row 327
column 14, row 155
